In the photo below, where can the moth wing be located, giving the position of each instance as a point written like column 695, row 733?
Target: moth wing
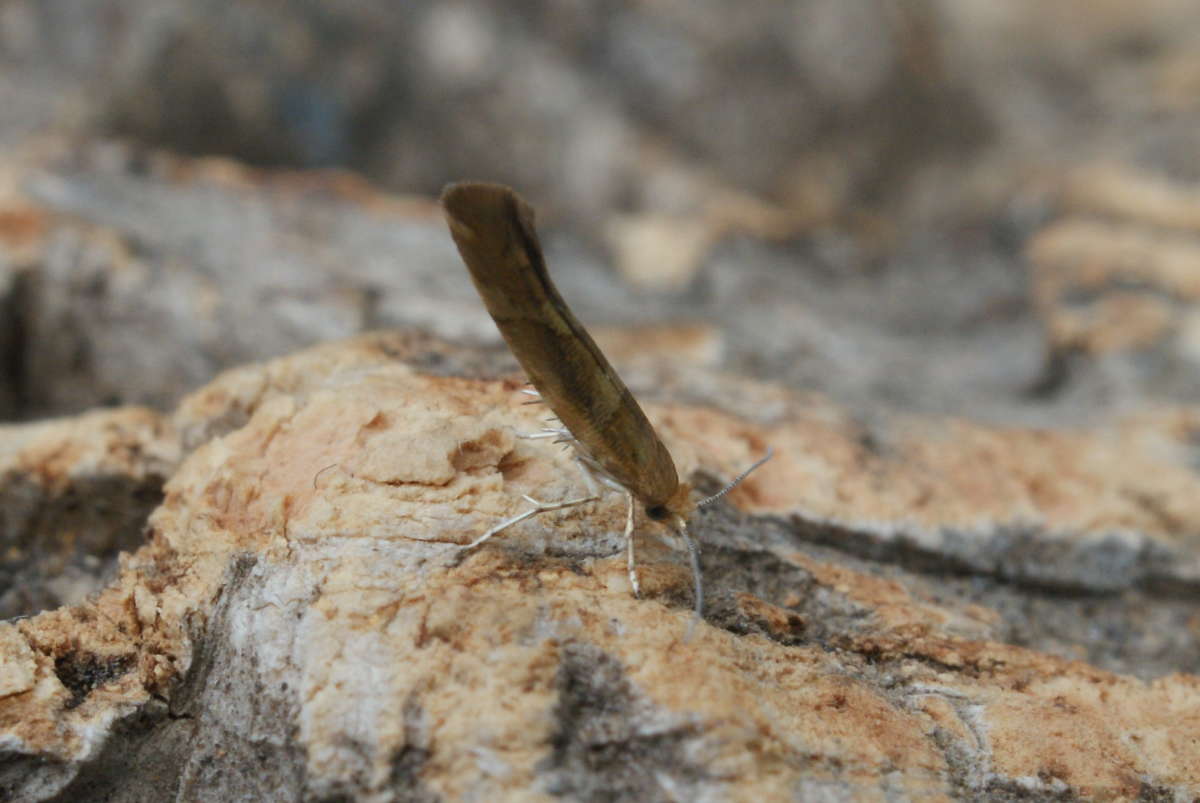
column 495, row 234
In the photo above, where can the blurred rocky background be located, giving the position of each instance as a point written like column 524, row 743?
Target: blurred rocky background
column 846, row 191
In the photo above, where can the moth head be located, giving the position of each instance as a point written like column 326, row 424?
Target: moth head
column 678, row 506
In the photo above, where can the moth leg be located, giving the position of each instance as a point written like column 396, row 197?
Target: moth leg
column 538, row 507
column 504, row 525
column 541, row 507
column 633, row 578
column 548, row 432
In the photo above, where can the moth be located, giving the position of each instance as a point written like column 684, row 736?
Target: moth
column 614, row 443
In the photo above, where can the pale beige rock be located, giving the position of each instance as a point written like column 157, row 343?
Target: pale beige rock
column 1106, row 286
column 73, row 493
column 18, row 671
column 663, row 251
column 1115, row 280
column 659, row 252
column 651, row 346
column 1122, row 192
column 299, row 624
column 901, row 606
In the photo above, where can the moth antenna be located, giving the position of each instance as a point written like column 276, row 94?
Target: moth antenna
column 694, row 558
column 709, row 500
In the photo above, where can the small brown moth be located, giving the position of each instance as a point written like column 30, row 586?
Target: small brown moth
column 614, row 442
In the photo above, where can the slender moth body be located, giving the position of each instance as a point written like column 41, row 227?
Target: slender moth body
column 614, row 441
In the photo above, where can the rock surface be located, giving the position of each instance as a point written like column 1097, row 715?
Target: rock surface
column 299, row 624
column 942, row 256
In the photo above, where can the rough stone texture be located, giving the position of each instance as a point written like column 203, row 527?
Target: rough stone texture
column 298, row 624
column 1116, row 278
column 73, row 494
column 941, row 255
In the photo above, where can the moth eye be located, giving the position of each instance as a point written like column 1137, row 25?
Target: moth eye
column 658, row 512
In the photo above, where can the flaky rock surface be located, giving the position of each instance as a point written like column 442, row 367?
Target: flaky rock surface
column 941, row 255
column 299, row 623
column 258, row 594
